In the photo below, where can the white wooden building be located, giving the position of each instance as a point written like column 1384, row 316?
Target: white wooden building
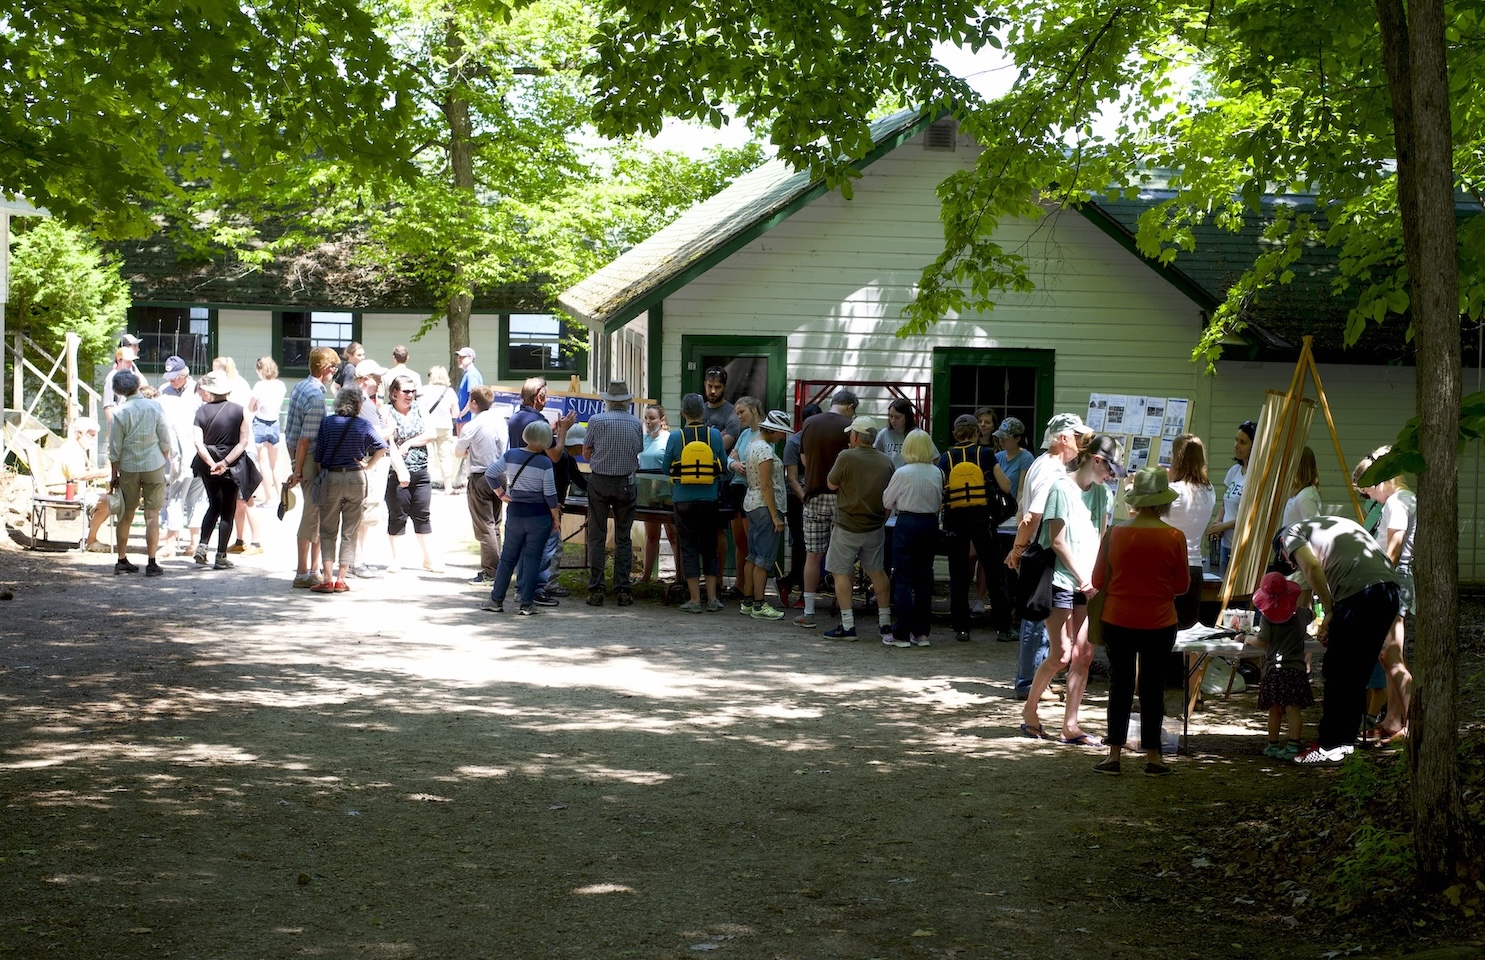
column 783, row 281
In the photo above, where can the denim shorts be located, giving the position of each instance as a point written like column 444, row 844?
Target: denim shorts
column 1067, row 599
column 763, row 539
column 265, row 431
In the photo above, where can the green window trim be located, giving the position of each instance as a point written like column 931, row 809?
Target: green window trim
column 944, row 358
column 774, row 348
column 153, row 368
column 506, row 373
column 296, row 372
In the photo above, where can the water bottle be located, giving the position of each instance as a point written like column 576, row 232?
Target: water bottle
column 71, row 489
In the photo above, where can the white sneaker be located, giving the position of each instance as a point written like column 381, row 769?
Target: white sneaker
column 888, row 640
column 1318, row 754
column 765, row 611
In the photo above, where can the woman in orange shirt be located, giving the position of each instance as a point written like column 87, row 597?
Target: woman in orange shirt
column 1142, row 570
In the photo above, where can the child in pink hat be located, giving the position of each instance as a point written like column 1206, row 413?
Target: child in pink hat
column 1285, row 688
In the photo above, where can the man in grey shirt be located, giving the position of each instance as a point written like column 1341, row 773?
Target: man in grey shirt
column 483, row 441
column 612, row 445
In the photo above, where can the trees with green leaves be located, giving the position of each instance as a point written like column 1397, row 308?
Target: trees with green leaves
column 505, row 185
column 61, row 282
column 113, row 108
column 1378, row 110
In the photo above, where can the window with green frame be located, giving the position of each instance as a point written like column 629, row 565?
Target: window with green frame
column 297, row 332
column 1013, row 383
column 541, row 344
column 185, row 332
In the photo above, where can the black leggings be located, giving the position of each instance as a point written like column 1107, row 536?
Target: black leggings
column 221, row 509
column 1152, row 649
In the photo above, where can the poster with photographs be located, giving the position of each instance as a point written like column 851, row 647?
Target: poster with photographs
column 1144, row 426
column 1154, row 418
column 1098, row 405
column 1177, row 414
column 1165, row 451
column 1139, row 452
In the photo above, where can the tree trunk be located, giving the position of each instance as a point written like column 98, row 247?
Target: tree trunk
column 1414, row 53
column 461, row 167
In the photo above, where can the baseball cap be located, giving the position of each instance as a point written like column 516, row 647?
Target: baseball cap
column 369, row 368
column 1010, row 427
column 465, row 352
column 174, row 367
column 1063, row 423
column 862, row 425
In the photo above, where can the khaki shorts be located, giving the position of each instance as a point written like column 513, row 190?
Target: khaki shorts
column 846, row 546
column 149, row 485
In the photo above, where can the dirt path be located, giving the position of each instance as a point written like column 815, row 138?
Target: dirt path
column 213, row 765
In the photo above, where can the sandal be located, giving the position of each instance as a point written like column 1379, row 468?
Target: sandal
column 1033, row 732
column 1081, row 740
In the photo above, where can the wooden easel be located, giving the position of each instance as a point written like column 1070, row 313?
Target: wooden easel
column 1247, row 537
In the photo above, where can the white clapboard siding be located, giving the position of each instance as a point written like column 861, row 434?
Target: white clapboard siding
column 835, row 277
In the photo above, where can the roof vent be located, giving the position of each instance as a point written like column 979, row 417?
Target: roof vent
column 941, row 135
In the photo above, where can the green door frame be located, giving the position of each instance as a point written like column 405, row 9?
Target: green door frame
column 1044, row 362
column 775, row 349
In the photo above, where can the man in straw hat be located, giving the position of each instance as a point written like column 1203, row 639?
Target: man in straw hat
column 611, row 446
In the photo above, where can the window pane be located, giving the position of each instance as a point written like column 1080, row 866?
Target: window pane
column 305, row 330
column 536, row 344
column 173, row 331
column 1008, row 390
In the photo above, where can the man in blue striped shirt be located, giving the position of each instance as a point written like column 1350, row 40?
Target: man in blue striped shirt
column 301, row 430
column 612, row 445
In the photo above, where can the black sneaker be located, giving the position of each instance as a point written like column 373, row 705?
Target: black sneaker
column 480, row 580
column 962, row 636
column 152, row 569
column 527, row 611
column 542, row 599
column 124, row 566
column 494, row 606
column 557, row 590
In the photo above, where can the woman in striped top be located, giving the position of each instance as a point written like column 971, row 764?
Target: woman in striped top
column 523, row 479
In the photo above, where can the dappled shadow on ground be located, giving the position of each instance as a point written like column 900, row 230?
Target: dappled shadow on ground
column 394, row 772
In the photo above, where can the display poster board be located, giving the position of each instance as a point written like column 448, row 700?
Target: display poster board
column 1143, row 425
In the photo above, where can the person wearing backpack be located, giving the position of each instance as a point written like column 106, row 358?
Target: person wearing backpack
column 693, row 457
column 968, row 468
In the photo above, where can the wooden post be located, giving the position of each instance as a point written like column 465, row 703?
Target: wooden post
column 72, row 342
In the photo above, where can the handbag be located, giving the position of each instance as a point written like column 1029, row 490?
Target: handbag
column 1034, row 581
column 1095, row 602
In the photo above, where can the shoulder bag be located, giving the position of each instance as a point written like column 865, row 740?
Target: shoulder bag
column 1095, row 603
column 1034, row 580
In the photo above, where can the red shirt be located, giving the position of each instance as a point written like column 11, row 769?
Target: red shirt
column 1149, row 571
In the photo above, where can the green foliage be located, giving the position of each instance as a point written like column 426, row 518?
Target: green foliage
column 1377, row 857
column 112, row 106
column 508, row 186
column 1244, row 98
column 1406, row 455
column 60, row 282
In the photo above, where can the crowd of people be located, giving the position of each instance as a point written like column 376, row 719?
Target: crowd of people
column 860, row 503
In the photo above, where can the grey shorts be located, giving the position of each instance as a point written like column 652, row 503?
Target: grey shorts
column 846, row 547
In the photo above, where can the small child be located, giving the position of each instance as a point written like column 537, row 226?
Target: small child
column 1285, row 688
